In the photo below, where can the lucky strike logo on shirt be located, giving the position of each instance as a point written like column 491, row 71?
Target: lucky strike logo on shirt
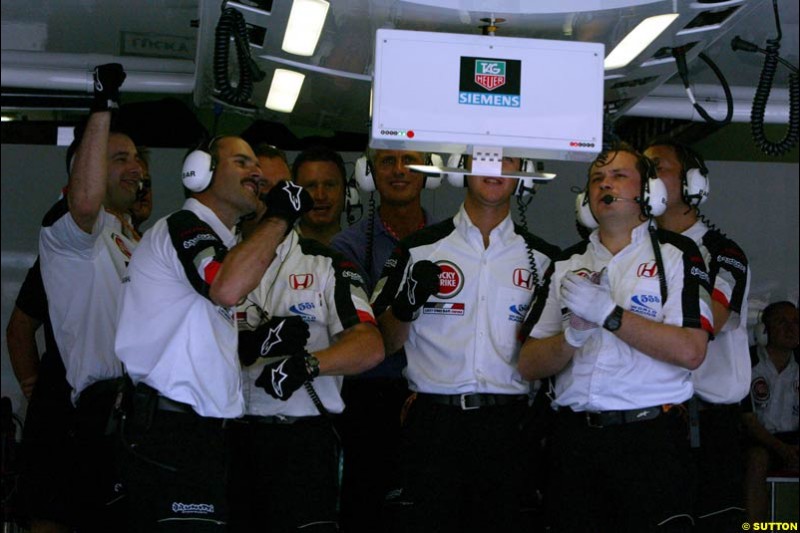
column 451, row 280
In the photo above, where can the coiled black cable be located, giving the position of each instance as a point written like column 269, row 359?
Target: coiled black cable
column 231, row 24
column 370, row 234
column 764, row 87
column 760, row 99
column 523, row 219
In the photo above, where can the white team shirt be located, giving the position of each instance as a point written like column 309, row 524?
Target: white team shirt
column 724, row 375
column 466, row 338
column 606, row 373
column 82, row 274
column 169, row 335
column 307, row 281
column 775, row 395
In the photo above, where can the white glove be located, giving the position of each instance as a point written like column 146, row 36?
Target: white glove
column 588, row 300
column 579, row 331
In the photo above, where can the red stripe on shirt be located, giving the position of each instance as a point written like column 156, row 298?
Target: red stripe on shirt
column 363, row 316
column 211, row 270
column 719, row 296
column 706, row 325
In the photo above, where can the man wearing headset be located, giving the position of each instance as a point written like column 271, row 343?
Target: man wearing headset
column 370, row 425
column 454, row 296
column 177, row 334
column 723, row 379
column 772, row 412
column 321, row 172
column 306, row 325
column 621, row 321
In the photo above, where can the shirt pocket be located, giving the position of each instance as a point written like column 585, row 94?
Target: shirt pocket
column 506, row 315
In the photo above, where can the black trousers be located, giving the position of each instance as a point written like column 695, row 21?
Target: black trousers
column 462, row 469
column 629, row 478
column 283, row 477
column 174, row 468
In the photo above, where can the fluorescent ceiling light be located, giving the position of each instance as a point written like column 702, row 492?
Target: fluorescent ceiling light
column 304, row 27
column 284, row 90
column 637, row 40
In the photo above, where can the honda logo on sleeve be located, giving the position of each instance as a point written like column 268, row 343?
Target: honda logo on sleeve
column 301, row 281
column 523, row 278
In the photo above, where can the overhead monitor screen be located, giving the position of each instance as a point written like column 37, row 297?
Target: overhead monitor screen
column 446, row 92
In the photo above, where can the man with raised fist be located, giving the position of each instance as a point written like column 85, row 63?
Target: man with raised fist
column 454, row 295
column 178, row 337
column 85, row 244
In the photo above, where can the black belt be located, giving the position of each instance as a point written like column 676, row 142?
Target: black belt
column 602, row 419
column 703, row 405
column 472, row 400
column 166, row 404
column 274, row 419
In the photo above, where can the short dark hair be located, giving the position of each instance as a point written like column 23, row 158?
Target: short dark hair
column 269, row 151
column 771, row 309
column 687, row 157
column 319, row 153
column 80, row 129
column 643, row 165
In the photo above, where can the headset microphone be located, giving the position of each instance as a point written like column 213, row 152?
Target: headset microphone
column 608, row 199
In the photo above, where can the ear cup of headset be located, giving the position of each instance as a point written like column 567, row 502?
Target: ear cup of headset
column 198, row 168
column 654, row 198
column 352, row 202
column 695, row 187
column 457, row 161
column 363, row 174
column 583, row 213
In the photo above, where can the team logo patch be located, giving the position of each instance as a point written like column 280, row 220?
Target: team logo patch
column 193, row 508
column 490, row 82
column 518, row 312
column 304, row 310
column 301, row 281
column 523, row 277
column 641, row 304
column 121, row 245
column 441, row 308
column 647, row 270
column 451, row 280
column 759, row 389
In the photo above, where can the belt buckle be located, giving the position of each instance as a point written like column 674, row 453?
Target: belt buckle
column 464, row 406
column 589, row 421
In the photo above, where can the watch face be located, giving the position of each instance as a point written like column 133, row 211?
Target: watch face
column 614, row 320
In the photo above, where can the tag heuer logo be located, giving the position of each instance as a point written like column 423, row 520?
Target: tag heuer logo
column 490, row 74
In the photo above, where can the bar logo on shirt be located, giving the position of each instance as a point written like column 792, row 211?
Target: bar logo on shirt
column 451, row 280
column 442, row 308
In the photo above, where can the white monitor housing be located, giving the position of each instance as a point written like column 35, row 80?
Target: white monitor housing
column 451, row 93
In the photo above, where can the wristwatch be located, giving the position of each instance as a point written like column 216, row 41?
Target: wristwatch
column 312, row 366
column 614, row 320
